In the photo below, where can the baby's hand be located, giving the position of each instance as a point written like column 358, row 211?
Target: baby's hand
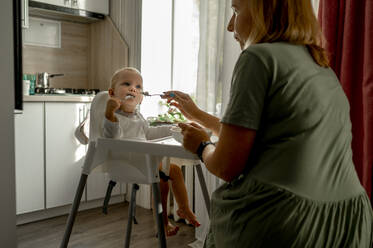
column 112, row 105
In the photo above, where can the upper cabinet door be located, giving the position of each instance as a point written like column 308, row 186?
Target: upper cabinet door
column 97, row 6
column 62, row 3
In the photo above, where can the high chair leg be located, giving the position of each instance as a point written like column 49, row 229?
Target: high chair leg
column 159, row 216
column 205, row 192
column 131, row 214
column 74, row 210
column 134, row 210
column 108, row 195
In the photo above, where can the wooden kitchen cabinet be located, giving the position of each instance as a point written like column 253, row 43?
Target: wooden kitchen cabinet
column 62, row 3
column 96, row 6
column 49, row 158
column 29, row 158
column 64, row 155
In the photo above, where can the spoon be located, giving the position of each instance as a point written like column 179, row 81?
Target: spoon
column 146, row 93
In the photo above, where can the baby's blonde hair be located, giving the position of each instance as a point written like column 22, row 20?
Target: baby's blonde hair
column 116, row 74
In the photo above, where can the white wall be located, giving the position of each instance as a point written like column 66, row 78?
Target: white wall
column 7, row 176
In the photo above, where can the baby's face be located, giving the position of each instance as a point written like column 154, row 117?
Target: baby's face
column 128, row 88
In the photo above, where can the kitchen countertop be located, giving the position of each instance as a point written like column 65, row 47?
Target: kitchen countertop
column 58, row 98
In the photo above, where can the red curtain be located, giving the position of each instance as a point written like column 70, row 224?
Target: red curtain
column 348, row 29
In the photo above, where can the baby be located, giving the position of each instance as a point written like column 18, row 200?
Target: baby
column 124, row 121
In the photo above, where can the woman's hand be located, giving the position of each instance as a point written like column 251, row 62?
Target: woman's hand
column 112, row 105
column 190, row 110
column 193, row 136
column 183, row 102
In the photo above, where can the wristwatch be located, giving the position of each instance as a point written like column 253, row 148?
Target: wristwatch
column 202, row 147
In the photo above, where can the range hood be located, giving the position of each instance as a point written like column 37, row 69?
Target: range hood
column 60, row 13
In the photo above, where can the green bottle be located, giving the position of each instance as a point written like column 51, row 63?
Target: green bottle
column 32, row 84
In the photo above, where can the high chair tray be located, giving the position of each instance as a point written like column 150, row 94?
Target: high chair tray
column 166, row 147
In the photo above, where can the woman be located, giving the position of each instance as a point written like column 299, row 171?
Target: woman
column 284, row 141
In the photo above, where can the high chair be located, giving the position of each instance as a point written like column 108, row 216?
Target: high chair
column 121, row 160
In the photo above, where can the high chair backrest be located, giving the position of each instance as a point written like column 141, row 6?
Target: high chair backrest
column 122, row 166
column 97, row 113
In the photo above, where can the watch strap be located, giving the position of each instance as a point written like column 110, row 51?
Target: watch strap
column 202, row 147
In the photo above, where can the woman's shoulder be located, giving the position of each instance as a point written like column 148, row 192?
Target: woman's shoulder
column 279, row 55
column 272, row 50
column 272, row 46
column 262, row 54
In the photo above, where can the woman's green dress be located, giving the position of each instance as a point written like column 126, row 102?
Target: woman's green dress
column 300, row 187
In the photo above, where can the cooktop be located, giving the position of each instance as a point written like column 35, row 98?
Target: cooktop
column 64, row 91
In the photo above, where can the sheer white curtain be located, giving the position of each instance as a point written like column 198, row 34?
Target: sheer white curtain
column 185, row 46
column 209, row 85
column 315, row 4
column 210, row 56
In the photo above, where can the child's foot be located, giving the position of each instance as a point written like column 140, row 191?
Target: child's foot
column 171, row 230
column 189, row 216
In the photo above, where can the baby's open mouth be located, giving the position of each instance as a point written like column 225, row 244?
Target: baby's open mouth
column 129, row 96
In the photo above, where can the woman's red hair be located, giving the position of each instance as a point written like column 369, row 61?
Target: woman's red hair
column 287, row 20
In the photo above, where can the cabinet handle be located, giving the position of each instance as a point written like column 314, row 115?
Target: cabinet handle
column 26, row 15
column 80, row 115
column 88, row 110
column 75, row 3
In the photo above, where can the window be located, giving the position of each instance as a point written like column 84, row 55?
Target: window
column 169, row 49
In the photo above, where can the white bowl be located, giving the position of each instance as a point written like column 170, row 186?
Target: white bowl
column 178, row 136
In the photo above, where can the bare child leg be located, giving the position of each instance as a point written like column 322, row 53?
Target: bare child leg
column 169, row 228
column 181, row 196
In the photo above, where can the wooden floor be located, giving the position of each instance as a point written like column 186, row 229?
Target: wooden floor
column 95, row 230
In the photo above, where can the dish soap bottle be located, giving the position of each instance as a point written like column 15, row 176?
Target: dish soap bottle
column 32, row 84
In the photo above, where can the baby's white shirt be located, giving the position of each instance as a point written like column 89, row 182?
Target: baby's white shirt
column 133, row 126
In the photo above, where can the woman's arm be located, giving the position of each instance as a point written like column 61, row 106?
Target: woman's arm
column 228, row 158
column 209, row 121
